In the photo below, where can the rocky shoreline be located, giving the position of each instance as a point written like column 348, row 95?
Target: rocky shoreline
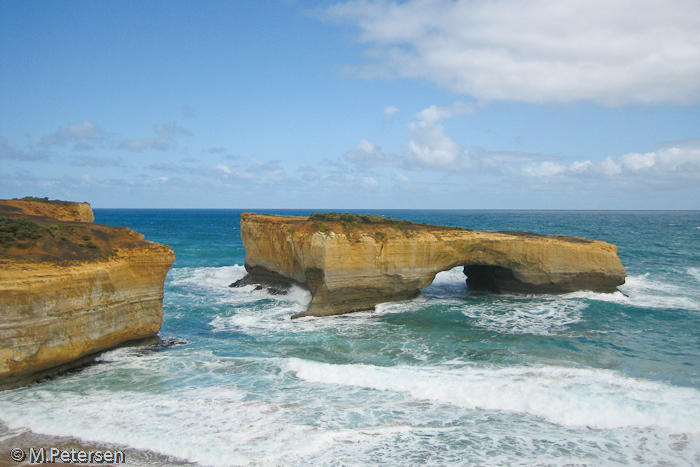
column 70, row 289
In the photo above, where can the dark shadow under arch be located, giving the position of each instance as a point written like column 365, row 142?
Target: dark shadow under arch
column 492, row 279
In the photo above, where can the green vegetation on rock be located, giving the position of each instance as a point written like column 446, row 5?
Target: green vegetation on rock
column 353, row 219
column 19, row 232
column 45, row 200
column 25, row 234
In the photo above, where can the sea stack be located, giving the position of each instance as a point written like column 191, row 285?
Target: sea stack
column 70, row 288
column 352, row 262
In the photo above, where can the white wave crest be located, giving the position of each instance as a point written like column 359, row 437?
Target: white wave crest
column 644, row 291
column 565, row 396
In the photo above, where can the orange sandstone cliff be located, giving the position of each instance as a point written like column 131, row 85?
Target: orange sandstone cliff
column 70, row 289
column 42, row 207
column 351, row 262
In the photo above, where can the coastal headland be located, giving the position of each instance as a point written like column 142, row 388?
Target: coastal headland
column 352, row 262
column 70, row 288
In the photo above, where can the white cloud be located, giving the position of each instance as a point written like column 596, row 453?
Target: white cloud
column 610, row 51
column 430, row 147
column 223, row 168
column 544, row 169
column 679, row 158
column 76, row 132
column 668, row 167
column 636, row 162
column 367, row 153
column 390, row 111
column 436, row 113
column 581, row 166
column 609, row 167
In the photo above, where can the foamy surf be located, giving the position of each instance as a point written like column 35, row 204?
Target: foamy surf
column 565, row 396
column 694, row 273
column 543, row 316
column 644, row 291
column 213, row 283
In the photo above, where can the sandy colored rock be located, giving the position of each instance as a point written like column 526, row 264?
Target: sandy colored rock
column 350, row 266
column 74, row 289
column 58, row 210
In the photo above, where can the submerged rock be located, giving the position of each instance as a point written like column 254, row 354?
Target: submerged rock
column 351, row 262
column 71, row 289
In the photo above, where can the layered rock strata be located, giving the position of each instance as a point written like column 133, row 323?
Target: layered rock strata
column 69, row 290
column 352, row 263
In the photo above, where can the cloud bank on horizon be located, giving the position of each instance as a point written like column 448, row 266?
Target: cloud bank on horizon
column 368, row 104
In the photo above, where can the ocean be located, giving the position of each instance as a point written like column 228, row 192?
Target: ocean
column 449, row 378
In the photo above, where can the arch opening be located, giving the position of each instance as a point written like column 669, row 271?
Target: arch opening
column 492, row 279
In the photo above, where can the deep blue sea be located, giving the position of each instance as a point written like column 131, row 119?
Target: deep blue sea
column 449, row 378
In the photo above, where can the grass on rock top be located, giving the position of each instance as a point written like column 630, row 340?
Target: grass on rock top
column 28, row 240
column 329, row 221
column 24, row 233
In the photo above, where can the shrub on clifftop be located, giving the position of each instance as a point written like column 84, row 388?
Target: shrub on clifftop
column 12, row 229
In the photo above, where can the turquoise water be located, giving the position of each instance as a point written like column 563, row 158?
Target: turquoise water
column 450, row 378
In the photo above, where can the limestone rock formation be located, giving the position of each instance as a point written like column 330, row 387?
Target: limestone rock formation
column 71, row 289
column 51, row 209
column 352, row 262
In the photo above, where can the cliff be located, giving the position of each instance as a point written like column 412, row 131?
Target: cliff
column 49, row 209
column 71, row 289
column 352, row 262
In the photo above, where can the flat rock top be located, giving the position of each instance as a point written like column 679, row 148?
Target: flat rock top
column 35, row 231
column 50, row 209
column 354, row 225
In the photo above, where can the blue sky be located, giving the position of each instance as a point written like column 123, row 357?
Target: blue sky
column 501, row 104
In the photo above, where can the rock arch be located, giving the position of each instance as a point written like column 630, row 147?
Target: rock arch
column 350, row 265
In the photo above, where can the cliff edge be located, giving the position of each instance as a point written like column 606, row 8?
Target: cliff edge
column 351, row 262
column 71, row 289
column 49, row 209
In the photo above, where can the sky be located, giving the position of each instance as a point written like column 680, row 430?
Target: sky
column 360, row 104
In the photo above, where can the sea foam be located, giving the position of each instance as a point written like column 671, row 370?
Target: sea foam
column 565, row 396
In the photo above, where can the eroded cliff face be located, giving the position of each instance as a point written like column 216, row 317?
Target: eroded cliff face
column 56, row 210
column 354, row 266
column 69, row 290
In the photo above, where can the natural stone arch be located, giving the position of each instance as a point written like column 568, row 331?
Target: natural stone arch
column 354, row 266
